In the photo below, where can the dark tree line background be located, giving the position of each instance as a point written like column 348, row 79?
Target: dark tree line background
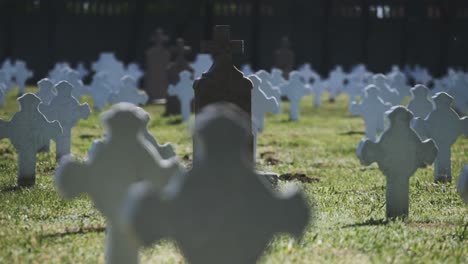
column 380, row 33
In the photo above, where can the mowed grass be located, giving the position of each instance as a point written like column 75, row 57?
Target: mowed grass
column 348, row 199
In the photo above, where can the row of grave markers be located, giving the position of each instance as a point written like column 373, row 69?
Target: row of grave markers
column 153, row 197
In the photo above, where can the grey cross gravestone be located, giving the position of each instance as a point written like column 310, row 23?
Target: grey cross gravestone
column 294, row 90
column 121, row 159
column 46, row 91
column 29, row 130
column 184, row 92
column 399, row 152
column 215, row 214
column 421, row 104
column 68, row 111
column 444, row 126
column 371, row 109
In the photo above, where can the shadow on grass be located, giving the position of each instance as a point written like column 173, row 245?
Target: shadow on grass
column 87, row 136
column 352, row 133
column 175, row 121
column 79, row 231
column 9, row 189
column 370, row 222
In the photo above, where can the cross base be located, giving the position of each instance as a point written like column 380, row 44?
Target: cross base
column 26, row 180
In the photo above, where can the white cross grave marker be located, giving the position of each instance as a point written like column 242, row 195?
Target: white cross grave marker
column 388, row 94
column 68, row 111
column 134, row 70
column 276, row 78
column 294, row 90
column 399, row 152
column 83, row 72
column 22, row 74
column 336, row 82
column 444, row 126
column 184, row 92
column 100, row 89
column 217, row 211
column 421, row 103
column 29, row 130
column 46, row 91
column 79, row 90
column 267, row 87
column 128, row 93
column 459, row 92
column 246, row 69
column 399, row 83
column 202, row 64
column 371, row 109
column 121, row 159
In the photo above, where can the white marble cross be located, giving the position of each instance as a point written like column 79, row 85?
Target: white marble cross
column 121, row 159
column 79, row 89
column 336, row 82
column 201, row 65
column 8, row 71
column 22, row 74
column 261, row 104
column 462, row 186
column 68, row 111
column 46, row 91
column 246, row 69
column 276, row 78
column 308, row 74
column 100, row 89
column 294, row 90
column 388, row 94
column 354, row 89
column 444, row 126
column 399, row 152
column 459, row 92
column 29, row 130
column 371, row 109
column 128, row 93
column 217, row 211
column 421, row 103
column 184, row 92
column 267, row 87
column 134, row 70
column 399, row 83
column 81, row 68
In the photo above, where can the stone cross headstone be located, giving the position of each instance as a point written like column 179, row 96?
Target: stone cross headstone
column 444, row 126
column 100, row 90
column 387, row 93
column 261, row 104
column 79, row 89
column 166, row 151
column 399, row 83
column 336, row 82
column 68, row 111
column 318, row 87
column 294, row 90
column 371, row 109
column 129, row 93
column 267, row 87
column 121, row 159
column 82, row 71
column 247, row 70
column 284, row 57
column 308, row 74
column 421, row 103
column 399, row 152
column 184, row 92
column 223, row 82
column 276, row 78
column 201, row 65
column 29, row 130
column 114, row 68
column 462, row 186
column 179, row 64
column 354, row 88
column 22, row 74
column 3, row 94
column 459, row 92
column 157, row 60
column 46, row 91
column 217, row 215
column 8, row 72
column 134, row 70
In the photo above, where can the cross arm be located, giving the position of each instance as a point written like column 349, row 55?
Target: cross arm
column 85, row 110
column 70, row 176
column 368, row 152
column 419, row 125
column 427, row 153
column 295, row 215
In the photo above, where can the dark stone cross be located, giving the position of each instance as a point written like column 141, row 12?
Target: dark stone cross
column 157, row 60
column 223, row 82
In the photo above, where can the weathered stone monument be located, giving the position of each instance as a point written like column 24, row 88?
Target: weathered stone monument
column 121, row 159
column 157, row 59
column 184, row 92
column 179, row 64
column 223, row 82
column 216, row 215
column 399, row 152
column 29, row 131
column 284, row 57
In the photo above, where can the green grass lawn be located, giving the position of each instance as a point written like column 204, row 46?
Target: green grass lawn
column 37, row 226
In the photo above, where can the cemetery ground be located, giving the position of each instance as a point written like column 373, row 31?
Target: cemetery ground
column 317, row 153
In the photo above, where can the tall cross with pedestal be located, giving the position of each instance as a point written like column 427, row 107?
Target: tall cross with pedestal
column 223, row 82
